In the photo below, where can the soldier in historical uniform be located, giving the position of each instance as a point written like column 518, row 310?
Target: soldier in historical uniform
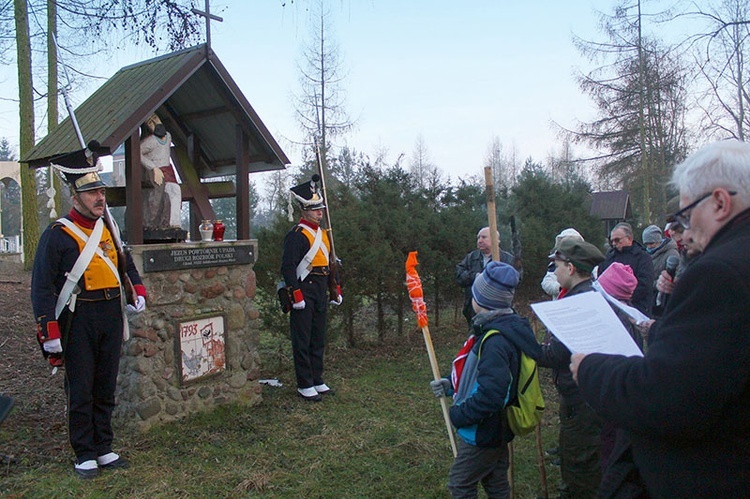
column 78, row 299
column 305, row 267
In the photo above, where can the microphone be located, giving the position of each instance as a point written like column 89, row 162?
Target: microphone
column 672, row 263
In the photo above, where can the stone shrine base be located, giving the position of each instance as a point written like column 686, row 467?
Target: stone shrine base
column 154, row 384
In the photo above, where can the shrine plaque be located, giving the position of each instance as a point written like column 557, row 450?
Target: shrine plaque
column 186, row 256
column 201, row 346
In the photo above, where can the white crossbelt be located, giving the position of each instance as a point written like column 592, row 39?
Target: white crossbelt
column 305, row 266
column 67, row 297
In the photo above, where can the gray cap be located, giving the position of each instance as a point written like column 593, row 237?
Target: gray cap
column 652, row 234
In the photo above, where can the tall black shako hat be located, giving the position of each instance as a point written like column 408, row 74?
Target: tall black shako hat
column 308, row 194
column 81, row 168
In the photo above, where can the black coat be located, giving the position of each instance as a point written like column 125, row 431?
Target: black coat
column 686, row 404
column 643, row 267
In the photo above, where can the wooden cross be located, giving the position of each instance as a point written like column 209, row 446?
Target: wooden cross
column 209, row 17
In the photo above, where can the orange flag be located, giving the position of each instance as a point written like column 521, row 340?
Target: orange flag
column 414, row 285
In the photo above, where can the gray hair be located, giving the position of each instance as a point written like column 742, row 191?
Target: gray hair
column 723, row 164
column 625, row 227
column 488, row 230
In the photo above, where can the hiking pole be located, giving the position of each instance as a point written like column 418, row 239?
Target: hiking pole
column 416, row 295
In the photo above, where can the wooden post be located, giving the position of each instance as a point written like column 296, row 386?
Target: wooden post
column 489, row 184
column 134, row 191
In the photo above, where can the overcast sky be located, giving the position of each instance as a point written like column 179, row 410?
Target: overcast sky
column 456, row 73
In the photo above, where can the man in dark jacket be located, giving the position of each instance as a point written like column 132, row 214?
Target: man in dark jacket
column 473, row 264
column 685, row 405
column 627, row 251
column 580, row 426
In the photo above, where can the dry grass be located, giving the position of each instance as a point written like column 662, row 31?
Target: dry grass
column 381, row 435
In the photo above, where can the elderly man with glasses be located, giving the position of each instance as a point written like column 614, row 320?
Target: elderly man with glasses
column 685, row 405
column 629, row 252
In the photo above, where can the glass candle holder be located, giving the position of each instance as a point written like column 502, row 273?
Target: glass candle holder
column 207, row 230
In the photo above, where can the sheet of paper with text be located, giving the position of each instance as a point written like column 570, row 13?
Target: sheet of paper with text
column 586, row 323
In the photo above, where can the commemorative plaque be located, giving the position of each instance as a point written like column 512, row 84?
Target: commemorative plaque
column 189, row 256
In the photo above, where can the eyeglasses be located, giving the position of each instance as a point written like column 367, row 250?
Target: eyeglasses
column 682, row 217
column 616, row 240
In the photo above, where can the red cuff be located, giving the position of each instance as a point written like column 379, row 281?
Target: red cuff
column 52, row 331
column 140, row 290
column 298, row 296
column 338, row 290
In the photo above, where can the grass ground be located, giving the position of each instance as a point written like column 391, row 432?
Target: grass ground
column 381, row 435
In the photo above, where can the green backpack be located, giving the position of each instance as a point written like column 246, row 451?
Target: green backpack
column 524, row 413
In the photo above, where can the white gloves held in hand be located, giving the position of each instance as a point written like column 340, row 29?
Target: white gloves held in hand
column 140, row 305
column 298, row 305
column 338, row 301
column 52, row 346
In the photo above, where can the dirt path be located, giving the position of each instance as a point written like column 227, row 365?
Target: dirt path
column 35, row 431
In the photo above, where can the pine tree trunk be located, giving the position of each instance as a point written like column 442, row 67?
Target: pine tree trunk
column 30, row 226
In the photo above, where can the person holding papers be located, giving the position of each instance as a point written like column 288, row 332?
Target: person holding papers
column 685, row 405
column 580, row 426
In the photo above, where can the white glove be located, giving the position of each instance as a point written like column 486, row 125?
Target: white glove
column 338, row 301
column 52, row 346
column 140, row 305
column 298, row 305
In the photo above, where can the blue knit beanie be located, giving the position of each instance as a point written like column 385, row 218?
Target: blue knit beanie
column 495, row 286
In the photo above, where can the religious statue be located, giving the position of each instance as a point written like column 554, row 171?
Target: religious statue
column 162, row 203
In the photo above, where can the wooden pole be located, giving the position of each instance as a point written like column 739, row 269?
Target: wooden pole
column 489, row 184
column 436, row 374
column 540, row 461
column 538, row 431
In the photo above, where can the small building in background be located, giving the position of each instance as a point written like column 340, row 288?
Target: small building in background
column 611, row 207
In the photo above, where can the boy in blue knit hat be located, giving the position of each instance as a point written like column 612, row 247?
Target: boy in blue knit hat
column 484, row 381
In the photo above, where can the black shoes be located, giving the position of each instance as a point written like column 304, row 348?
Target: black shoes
column 324, row 389
column 86, row 470
column 90, row 469
column 118, row 464
column 309, row 394
column 314, row 393
column 86, row 474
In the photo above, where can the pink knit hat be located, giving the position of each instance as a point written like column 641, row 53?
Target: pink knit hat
column 618, row 280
